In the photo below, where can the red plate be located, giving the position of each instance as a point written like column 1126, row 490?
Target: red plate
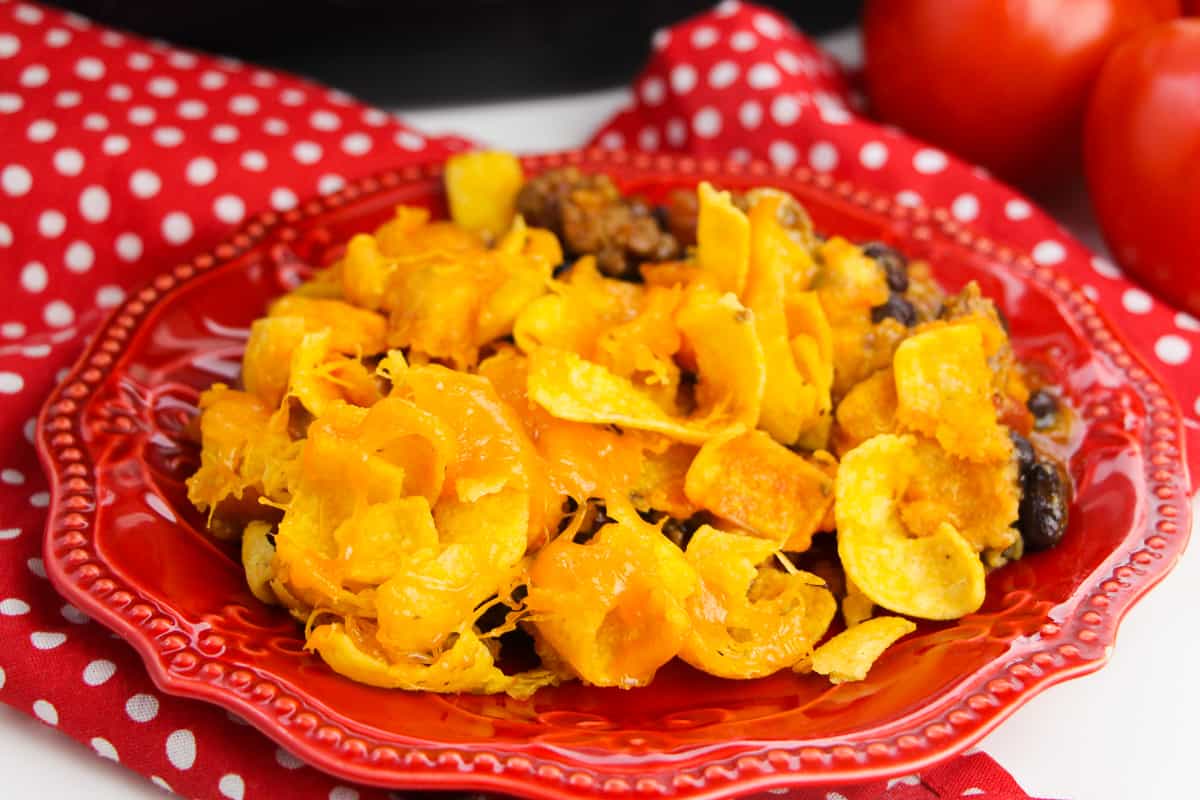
column 123, row 544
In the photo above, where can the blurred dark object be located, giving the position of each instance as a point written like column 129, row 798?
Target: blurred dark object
column 396, row 53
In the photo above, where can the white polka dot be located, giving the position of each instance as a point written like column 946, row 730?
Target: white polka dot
column 68, row 99
column 660, row 39
column 763, row 76
column 254, row 160
column 192, row 109
column 683, row 78
column 99, row 671
column 229, row 208
column 167, row 136
column 162, row 86
column 873, row 155
column 232, row 786
column 1185, row 321
column 374, row 117
column 274, row 126
column 44, row 640
column 30, row 15
column 79, row 257
column 90, row 69
column 34, row 75
column 12, row 330
column 307, row 152
column 34, row 277
column 41, row 130
column 1135, row 301
column 908, row 197
column 704, row 37
column 707, row 122
column 785, row 110
column 177, row 227
column 1172, row 349
column 10, row 103
column 181, row 749
column 68, row 161
column 1016, row 209
column 36, row 350
column 648, row 139
column 292, row 97
column 12, row 533
column 129, row 247
column 39, row 499
column 1049, row 252
column 833, row 113
column 743, row 41
column 286, row 760
column 6, row 235
column 750, row 114
column 58, row 314
column 1106, row 268
column 357, row 144
column 722, row 74
column 16, row 180
column 768, row 26
column 13, row 477
column 676, row 132
column 144, row 183
column 782, row 154
column 1091, row 292
column 325, row 120
column 283, row 199
column 201, row 171
column 338, row 97
column 822, row 156
column 119, row 92
column 654, row 91
column 928, row 161
column 224, row 133
column 9, row 45
column 139, row 61
column 412, row 141
column 141, row 115
column 965, row 207
column 142, row 707
column 74, row 615
column 51, row 223
column 94, row 203
column 343, row 793
column 115, row 145
column 12, row 606
column 58, row 37
column 109, row 296
column 111, row 39
column 244, row 104
column 45, row 711
column 104, row 748
column 212, row 80
column 181, row 60
column 95, row 122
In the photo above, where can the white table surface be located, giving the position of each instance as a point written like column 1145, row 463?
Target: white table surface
column 1129, row 731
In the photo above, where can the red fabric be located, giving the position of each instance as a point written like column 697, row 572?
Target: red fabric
column 120, row 156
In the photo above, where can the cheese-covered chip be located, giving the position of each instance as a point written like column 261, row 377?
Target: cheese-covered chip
column 481, row 188
column 849, row 655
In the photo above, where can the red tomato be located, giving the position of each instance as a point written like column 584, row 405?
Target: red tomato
column 1003, row 83
column 1142, row 156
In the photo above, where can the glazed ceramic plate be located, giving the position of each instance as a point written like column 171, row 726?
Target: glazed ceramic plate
column 124, row 545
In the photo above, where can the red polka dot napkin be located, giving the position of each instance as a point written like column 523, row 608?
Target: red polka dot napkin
column 119, row 156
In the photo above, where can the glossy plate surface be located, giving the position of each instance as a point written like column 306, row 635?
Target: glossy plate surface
column 123, row 544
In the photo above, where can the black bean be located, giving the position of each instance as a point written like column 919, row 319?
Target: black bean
column 1024, row 452
column 1043, row 512
column 895, row 266
column 1044, row 407
column 896, row 308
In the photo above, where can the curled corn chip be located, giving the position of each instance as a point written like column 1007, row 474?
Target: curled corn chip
column 482, row 190
column 757, row 483
column 866, row 411
column 944, row 390
column 722, row 239
column 731, row 369
column 856, row 606
column 258, row 555
column 937, row 576
column 377, row 540
column 849, row 655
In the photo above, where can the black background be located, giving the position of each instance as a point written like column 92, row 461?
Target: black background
column 425, row 52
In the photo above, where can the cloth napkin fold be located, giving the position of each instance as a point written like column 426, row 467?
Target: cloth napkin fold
column 120, row 156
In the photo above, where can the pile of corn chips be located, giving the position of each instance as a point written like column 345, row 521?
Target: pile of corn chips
column 443, row 426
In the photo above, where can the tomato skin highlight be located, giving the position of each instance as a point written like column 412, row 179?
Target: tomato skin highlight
column 1002, row 83
column 1142, row 148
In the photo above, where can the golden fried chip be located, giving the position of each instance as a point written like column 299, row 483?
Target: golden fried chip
column 481, row 188
column 365, row 271
column 722, row 239
column 937, row 576
column 944, row 390
column 375, row 541
column 731, row 369
column 849, row 655
column 866, row 411
column 856, row 606
column 258, row 556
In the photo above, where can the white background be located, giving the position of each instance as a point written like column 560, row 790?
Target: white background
column 1130, row 730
